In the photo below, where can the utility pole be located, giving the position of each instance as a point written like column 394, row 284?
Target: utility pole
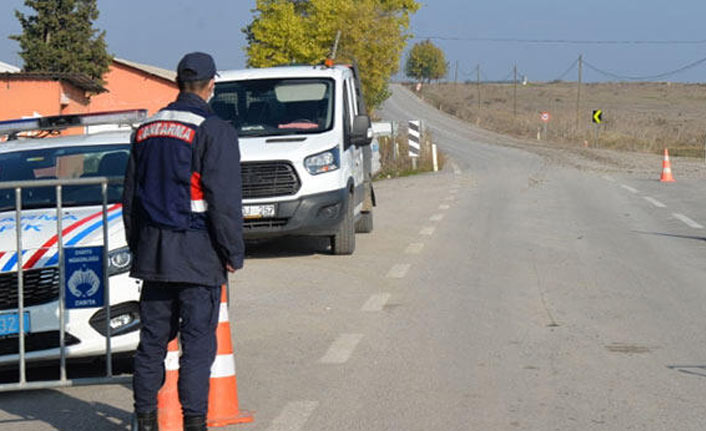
column 478, row 83
column 578, row 94
column 456, row 73
column 514, row 94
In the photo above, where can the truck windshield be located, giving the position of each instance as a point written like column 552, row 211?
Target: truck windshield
column 272, row 107
column 63, row 163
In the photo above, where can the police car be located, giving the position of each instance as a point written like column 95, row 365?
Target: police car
column 102, row 154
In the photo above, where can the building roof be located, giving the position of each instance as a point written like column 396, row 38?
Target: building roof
column 152, row 70
column 5, row 67
column 76, row 79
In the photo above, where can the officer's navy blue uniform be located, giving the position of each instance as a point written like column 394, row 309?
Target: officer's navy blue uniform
column 182, row 211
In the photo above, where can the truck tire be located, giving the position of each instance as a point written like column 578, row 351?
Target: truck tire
column 343, row 243
column 365, row 223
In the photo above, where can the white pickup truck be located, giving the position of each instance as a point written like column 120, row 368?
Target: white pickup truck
column 305, row 151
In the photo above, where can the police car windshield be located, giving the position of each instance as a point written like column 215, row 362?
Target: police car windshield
column 63, row 163
column 273, row 107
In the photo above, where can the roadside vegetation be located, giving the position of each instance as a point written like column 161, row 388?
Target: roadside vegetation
column 643, row 117
column 373, row 34
column 395, row 159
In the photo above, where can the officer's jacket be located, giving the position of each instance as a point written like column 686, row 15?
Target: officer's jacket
column 182, row 203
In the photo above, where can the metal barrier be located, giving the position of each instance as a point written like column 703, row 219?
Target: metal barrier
column 63, row 381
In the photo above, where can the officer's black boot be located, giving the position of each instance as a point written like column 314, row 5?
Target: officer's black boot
column 147, row 422
column 195, row 423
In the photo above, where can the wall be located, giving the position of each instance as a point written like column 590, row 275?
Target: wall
column 131, row 88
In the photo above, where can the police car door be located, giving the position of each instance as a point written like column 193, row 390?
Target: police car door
column 354, row 152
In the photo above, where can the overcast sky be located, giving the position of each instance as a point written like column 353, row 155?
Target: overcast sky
column 159, row 31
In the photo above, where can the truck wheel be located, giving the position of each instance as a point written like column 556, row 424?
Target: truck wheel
column 365, row 223
column 344, row 241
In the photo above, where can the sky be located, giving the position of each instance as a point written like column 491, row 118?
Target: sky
column 471, row 32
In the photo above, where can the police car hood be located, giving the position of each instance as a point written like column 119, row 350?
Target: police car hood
column 81, row 226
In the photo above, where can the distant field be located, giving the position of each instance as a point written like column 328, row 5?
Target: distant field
column 637, row 116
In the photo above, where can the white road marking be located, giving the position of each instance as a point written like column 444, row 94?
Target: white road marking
column 655, row 202
column 436, row 217
column 689, row 222
column 628, row 188
column 609, row 178
column 414, row 248
column 294, row 416
column 399, row 270
column 444, row 207
column 376, row 302
column 428, row 230
column 341, row 349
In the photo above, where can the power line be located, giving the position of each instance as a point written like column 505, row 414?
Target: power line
column 645, row 78
column 569, row 70
column 563, row 41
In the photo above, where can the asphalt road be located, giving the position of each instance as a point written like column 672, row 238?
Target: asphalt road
column 504, row 293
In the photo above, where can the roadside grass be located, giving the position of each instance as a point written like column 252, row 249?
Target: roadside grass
column 398, row 163
column 642, row 117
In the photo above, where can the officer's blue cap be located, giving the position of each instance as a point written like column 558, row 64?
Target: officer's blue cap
column 196, row 66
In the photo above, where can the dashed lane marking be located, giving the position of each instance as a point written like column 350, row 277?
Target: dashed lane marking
column 399, row 270
column 376, row 302
column 341, row 349
column 414, row 248
column 436, row 217
column 628, row 188
column 444, row 206
column 655, row 202
column 428, row 231
column 294, row 416
column 689, row 222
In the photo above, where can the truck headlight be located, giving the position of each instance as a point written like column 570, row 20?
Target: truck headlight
column 119, row 261
column 323, row 162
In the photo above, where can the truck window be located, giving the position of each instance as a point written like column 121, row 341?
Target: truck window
column 272, row 107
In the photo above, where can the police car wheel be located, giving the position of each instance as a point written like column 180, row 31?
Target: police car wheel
column 343, row 243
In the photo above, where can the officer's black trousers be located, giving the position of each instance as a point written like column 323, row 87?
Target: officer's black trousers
column 192, row 311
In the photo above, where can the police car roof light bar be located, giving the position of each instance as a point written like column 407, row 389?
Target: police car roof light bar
column 58, row 122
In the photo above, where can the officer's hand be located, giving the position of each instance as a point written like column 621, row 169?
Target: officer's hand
column 229, row 268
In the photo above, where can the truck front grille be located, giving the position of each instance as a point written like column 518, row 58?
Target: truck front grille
column 269, row 180
column 40, row 286
column 249, row 225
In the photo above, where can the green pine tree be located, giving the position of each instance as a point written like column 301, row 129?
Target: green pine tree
column 61, row 38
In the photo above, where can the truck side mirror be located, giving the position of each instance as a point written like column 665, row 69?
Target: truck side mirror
column 362, row 133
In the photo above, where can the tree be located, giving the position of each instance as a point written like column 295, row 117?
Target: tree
column 61, row 38
column 426, row 62
column 373, row 34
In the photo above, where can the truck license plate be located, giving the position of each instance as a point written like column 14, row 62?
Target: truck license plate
column 258, row 211
column 10, row 323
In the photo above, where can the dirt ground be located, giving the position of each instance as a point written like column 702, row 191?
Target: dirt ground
column 641, row 117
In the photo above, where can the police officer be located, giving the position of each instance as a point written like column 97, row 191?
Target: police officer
column 183, row 221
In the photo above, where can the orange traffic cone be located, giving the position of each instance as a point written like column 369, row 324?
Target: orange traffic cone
column 223, row 394
column 168, row 405
column 667, row 169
